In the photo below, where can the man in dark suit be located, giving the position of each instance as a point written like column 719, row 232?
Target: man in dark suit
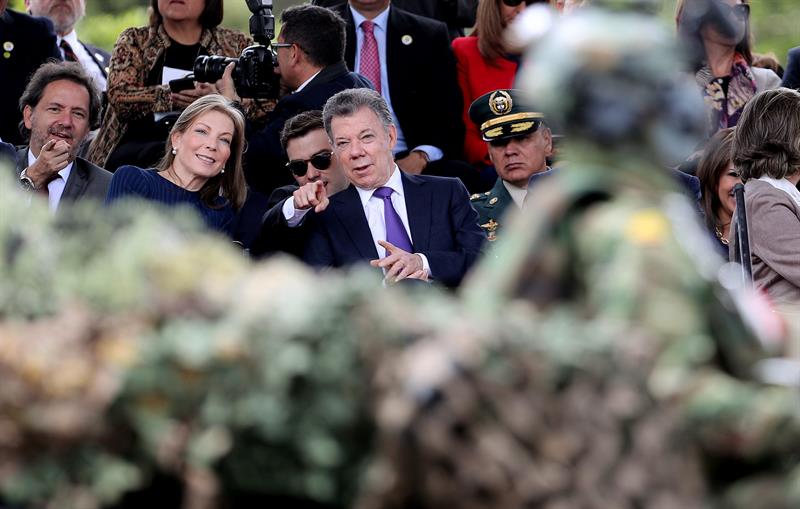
column 411, row 226
column 456, row 14
column 65, row 14
column 311, row 62
column 26, row 43
column 409, row 60
column 285, row 226
column 59, row 106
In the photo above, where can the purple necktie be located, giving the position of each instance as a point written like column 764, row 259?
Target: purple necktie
column 395, row 231
column 370, row 65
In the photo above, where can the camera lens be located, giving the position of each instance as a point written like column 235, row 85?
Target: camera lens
column 209, row 69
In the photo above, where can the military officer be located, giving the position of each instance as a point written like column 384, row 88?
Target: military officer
column 519, row 142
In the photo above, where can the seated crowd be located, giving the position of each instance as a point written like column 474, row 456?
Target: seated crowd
column 396, row 141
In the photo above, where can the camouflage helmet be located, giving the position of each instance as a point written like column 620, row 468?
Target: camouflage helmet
column 613, row 80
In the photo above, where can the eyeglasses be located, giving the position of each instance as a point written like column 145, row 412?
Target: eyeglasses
column 321, row 161
column 514, row 3
column 277, row 45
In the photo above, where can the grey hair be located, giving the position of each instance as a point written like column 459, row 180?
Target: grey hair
column 348, row 102
column 767, row 139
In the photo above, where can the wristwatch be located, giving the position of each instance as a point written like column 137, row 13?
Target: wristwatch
column 25, row 181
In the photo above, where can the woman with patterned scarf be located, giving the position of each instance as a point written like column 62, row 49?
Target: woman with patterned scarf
column 717, row 34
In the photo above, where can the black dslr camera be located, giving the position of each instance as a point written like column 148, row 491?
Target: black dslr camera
column 254, row 74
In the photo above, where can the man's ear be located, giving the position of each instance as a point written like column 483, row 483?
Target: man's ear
column 548, row 141
column 392, row 132
column 27, row 115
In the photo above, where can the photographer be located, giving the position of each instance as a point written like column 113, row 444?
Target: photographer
column 311, row 65
column 142, row 106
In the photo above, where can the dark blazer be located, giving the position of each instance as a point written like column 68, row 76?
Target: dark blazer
column 444, row 227
column 33, row 42
column 791, row 76
column 276, row 235
column 421, row 71
column 8, row 154
column 86, row 181
column 456, row 14
column 265, row 159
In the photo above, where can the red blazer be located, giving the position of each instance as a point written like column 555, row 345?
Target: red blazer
column 476, row 77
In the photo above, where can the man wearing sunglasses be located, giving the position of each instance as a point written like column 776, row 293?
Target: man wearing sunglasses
column 318, row 176
column 519, row 143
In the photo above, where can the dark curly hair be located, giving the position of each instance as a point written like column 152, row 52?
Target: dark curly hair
column 49, row 72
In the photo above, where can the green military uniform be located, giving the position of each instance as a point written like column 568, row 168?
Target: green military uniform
column 600, row 361
column 491, row 207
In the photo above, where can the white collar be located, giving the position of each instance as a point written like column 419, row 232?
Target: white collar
column 306, row 82
column 381, row 20
column 783, row 185
column 71, row 38
column 517, row 193
column 395, row 182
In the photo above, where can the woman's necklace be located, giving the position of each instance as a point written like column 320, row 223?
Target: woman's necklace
column 720, row 236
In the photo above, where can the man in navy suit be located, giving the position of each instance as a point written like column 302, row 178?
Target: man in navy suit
column 26, row 43
column 410, row 226
column 311, row 62
column 65, row 14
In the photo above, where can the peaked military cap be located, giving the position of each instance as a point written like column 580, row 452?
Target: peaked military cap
column 502, row 114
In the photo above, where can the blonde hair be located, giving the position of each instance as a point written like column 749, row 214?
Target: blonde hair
column 229, row 184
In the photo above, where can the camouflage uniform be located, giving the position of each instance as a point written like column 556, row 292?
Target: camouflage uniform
column 599, row 362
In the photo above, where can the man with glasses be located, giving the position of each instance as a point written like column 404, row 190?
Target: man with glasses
column 311, row 64
column 519, row 143
column 318, row 176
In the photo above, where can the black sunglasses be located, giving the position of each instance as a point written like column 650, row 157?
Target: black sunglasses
column 514, row 3
column 321, row 161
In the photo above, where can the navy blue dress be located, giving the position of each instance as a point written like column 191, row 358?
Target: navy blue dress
column 130, row 181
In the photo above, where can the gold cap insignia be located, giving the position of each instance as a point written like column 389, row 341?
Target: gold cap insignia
column 500, row 102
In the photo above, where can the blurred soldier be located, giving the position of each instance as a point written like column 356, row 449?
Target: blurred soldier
column 65, row 14
column 603, row 365
column 519, row 143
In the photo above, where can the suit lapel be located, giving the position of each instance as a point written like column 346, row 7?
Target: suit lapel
column 76, row 183
column 350, row 213
column 419, row 210
column 394, row 50
column 22, row 160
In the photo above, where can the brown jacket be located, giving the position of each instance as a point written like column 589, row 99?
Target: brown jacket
column 773, row 221
column 135, row 53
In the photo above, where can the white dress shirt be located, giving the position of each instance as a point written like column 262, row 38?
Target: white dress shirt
column 56, row 186
column 373, row 210
column 86, row 60
column 381, row 22
column 518, row 194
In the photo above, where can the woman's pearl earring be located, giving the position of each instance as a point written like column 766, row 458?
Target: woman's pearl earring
column 174, row 151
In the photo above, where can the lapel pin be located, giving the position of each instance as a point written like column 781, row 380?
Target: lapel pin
column 406, row 39
column 99, row 57
column 8, row 46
